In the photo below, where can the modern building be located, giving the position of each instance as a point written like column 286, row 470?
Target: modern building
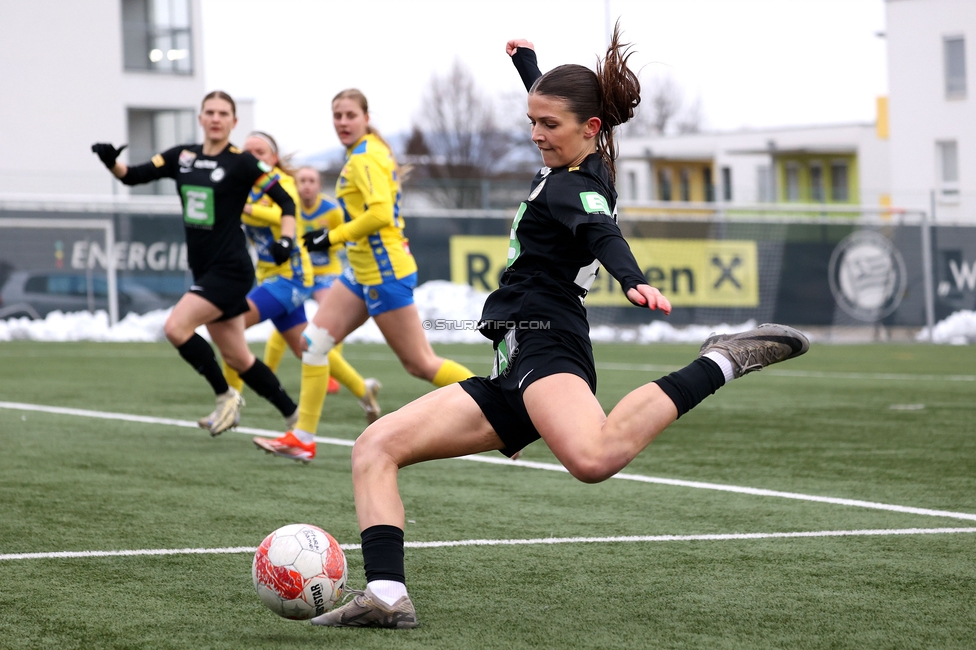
column 931, row 84
column 844, row 164
column 919, row 154
column 121, row 71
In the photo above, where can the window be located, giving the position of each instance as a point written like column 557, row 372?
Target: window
column 947, row 154
column 632, row 185
column 839, row 191
column 664, row 184
column 765, row 185
column 151, row 132
column 685, row 181
column 816, row 183
column 954, row 52
column 156, row 36
column 726, row 183
column 792, row 182
column 709, row 185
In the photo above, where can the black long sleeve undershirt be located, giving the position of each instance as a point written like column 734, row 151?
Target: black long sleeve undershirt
column 527, row 66
column 606, row 243
column 143, row 173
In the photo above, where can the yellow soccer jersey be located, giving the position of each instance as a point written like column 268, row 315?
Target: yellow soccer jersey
column 324, row 213
column 263, row 228
column 368, row 191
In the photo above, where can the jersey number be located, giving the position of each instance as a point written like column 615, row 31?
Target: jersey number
column 198, row 206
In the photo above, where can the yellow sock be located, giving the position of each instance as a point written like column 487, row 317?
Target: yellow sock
column 233, row 379
column 344, row 373
column 274, row 350
column 315, row 385
column 450, row 372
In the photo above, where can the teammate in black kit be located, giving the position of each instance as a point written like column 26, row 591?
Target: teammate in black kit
column 214, row 179
column 543, row 382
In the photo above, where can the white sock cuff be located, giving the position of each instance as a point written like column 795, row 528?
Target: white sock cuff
column 388, row 591
column 723, row 363
column 304, row 436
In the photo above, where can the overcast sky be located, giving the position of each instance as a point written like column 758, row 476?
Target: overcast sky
column 752, row 63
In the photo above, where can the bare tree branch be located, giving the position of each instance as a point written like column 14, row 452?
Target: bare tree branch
column 456, row 139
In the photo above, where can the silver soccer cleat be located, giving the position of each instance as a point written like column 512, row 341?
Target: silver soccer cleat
column 366, row 610
column 368, row 400
column 226, row 415
column 755, row 349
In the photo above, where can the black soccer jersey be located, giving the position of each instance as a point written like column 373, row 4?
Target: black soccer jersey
column 560, row 235
column 213, row 191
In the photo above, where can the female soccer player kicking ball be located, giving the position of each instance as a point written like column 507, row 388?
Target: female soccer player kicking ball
column 543, row 382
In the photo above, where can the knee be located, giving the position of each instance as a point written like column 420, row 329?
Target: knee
column 372, row 447
column 589, row 469
column 318, row 343
column 175, row 332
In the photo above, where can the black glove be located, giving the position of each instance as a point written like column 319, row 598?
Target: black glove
column 107, row 153
column 281, row 250
column 317, row 240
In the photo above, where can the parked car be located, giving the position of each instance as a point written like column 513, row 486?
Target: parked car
column 37, row 293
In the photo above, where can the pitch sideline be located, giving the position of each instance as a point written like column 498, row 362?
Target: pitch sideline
column 231, row 550
column 552, row 467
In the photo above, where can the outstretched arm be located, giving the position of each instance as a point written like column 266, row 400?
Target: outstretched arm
column 523, row 56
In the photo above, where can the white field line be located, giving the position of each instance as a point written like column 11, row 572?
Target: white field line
column 552, row 467
column 230, row 550
column 807, row 374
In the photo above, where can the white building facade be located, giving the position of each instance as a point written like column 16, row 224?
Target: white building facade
column 120, row 71
column 932, row 82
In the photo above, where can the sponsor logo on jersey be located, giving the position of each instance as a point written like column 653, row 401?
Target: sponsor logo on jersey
column 217, row 175
column 538, row 188
column 187, row 158
column 205, row 164
column 594, row 202
column 158, row 160
column 198, row 206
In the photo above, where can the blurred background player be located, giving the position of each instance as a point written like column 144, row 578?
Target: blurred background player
column 282, row 288
column 319, row 211
column 213, row 180
column 543, row 383
column 382, row 273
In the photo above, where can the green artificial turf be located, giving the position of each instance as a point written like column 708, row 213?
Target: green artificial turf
column 821, row 425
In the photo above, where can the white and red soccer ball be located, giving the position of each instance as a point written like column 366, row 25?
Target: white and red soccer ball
column 299, row 571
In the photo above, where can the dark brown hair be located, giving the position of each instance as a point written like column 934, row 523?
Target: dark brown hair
column 611, row 93
column 220, row 94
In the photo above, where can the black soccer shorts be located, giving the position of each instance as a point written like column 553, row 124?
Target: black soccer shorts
column 521, row 358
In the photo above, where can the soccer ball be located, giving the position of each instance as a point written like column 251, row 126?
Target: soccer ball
column 299, row 571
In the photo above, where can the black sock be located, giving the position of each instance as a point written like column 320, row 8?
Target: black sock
column 198, row 353
column 265, row 383
column 383, row 553
column 692, row 384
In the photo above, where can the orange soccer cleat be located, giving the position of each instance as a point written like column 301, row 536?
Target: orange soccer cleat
column 287, row 446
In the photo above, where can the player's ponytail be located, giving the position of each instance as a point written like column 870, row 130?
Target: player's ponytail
column 611, row 94
column 620, row 95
